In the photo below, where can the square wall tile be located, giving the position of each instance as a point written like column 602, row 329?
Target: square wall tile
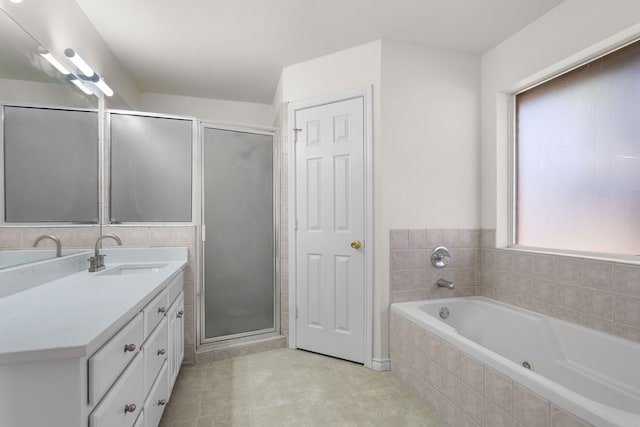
column 530, row 410
column 495, row 417
column 473, row 404
column 499, row 390
column 597, row 303
column 560, row 418
column 399, row 239
column 627, row 310
column 472, row 373
column 417, row 239
column 627, row 279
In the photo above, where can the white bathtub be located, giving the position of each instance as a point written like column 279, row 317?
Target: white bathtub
column 592, row 375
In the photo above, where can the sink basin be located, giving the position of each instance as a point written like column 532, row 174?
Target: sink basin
column 128, row 269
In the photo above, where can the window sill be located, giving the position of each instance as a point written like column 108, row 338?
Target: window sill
column 595, row 256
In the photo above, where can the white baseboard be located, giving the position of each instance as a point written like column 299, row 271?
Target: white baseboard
column 381, row 364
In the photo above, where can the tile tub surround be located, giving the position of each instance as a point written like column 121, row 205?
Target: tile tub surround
column 414, row 278
column 463, row 390
column 600, row 295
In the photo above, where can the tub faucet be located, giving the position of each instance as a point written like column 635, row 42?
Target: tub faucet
column 444, row 283
column 96, row 262
column 56, row 241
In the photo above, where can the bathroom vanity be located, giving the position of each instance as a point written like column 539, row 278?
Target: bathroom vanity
column 95, row 349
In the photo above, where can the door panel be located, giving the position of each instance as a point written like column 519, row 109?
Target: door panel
column 329, row 155
column 239, row 249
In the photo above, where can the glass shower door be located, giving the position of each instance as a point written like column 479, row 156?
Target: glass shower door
column 239, row 248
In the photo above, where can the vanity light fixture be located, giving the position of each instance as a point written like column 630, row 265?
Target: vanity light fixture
column 86, row 70
column 87, row 73
column 81, row 86
column 104, row 87
column 53, row 61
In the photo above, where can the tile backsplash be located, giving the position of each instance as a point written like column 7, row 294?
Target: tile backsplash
column 413, row 277
column 601, row 295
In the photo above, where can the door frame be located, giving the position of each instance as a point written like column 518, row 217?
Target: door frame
column 202, row 342
column 368, row 238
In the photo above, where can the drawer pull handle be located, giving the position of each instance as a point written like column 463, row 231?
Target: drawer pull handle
column 161, row 351
column 131, row 407
column 162, row 402
column 162, row 309
column 129, row 347
column 180, row 314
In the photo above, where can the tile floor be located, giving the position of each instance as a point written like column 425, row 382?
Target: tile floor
column 291, row 388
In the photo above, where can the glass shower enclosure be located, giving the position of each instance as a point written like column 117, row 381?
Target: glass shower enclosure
column 240, row 293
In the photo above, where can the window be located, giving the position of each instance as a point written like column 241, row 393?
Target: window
column 151, row 169
column 50, row 165
column 577, row 158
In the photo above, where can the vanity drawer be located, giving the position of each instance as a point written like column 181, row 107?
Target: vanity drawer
column 154, row 312
column 175, row 287
column 122, row 405
column 157, row 400
column 108, row 362
column 156, row 349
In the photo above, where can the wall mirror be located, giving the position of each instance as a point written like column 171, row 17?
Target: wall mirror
column 28, row 80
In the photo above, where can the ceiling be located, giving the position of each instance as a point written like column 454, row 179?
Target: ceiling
column 236, row 49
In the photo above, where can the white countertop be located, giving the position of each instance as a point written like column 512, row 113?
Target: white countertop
column 74, row 315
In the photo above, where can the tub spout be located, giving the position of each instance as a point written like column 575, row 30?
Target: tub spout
column 444, row 283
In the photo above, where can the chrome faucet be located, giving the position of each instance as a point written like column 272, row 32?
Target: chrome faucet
column 444, row 283
column 56, row 241
column 96, row 262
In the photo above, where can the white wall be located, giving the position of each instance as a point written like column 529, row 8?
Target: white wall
column 214, row 110
column 426, row 167
column 565, row 36
column 60, row 24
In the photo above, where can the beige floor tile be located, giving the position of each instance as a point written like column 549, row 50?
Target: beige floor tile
column 292, row 388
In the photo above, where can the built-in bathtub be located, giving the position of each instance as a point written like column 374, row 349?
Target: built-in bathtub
column 470, row 367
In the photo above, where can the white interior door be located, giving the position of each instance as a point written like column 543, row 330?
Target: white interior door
column 329, row 185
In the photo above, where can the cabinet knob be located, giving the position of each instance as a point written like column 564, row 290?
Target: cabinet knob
column 162, row 309
column 162, row 402
column 180, row 314
column 131, row 407
column 161, row 351
column 129, row 347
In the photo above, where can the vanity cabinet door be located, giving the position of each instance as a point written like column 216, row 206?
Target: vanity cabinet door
column 156, row 349
column 157, row 400
column 155, row 311
column 176, row 338
column 123, row 403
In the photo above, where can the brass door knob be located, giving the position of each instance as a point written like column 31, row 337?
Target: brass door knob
column 356, row 244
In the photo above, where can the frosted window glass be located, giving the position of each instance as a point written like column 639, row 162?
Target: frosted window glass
column 50, row 165
column 150, row 169
column 578, row 158
column 239, row 247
